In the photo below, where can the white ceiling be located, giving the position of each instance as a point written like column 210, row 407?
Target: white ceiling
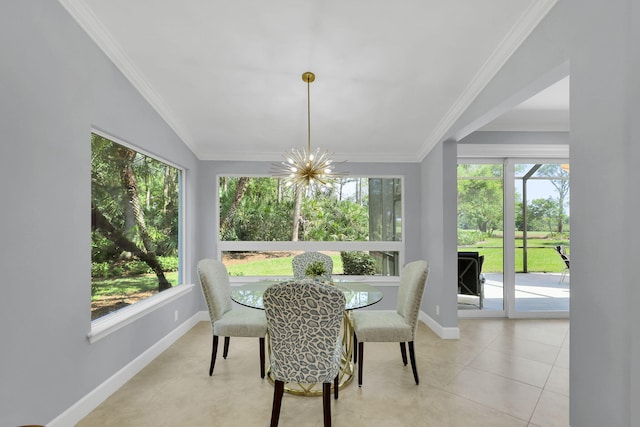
column 391, row 77
column 547, row 111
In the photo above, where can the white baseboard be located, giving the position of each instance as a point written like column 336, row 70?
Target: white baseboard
column 99, row 394
column 444, row 333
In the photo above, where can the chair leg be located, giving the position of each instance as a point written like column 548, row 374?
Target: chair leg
column 412, row 355
column 226, row 347
column 214, row 351
column 261, row 341
column 278, row 391
column 326, row 403
column 335, row 387
column 360, row 353
column 355, row 347
column 403, row 351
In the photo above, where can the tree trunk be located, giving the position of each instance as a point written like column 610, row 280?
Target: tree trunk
column 241, row 188
column 101, row 223
column 128, row 180
column 296, row 214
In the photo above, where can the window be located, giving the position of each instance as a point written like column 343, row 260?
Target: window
column 263, row 223
column 135, row 225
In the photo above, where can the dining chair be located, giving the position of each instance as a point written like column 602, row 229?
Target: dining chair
column 397, row 325
column 301, row 261
column 225, row 321
column 303, row 320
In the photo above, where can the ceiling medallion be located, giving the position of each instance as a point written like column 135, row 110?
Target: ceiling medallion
column 302, row 167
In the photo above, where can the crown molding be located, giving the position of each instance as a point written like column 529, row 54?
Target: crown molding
column 218, row 155
column 90, row 23
column 552, row 151
column 512, row 41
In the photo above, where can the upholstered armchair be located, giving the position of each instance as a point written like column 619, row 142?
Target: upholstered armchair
column 225, row 321
column 303, row 320
column 397, row 325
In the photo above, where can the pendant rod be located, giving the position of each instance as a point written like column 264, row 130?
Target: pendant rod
column 308, row 116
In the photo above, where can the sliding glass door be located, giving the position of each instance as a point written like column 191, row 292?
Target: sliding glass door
column 541, row 238
column 513, row 238
column 480, row 238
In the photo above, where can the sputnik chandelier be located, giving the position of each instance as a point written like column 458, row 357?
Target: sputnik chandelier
column 302, row 167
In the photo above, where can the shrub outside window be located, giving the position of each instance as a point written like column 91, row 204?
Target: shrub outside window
column 135, row 224
column 263, row 224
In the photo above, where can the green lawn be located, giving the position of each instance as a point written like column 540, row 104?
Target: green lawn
column 128, row 285
column 541, row 255
column 274, row 267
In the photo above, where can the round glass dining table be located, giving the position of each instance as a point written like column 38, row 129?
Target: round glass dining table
column 357, row 294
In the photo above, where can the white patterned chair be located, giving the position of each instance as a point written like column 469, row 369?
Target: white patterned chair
column 301, row 261
column 303, row 320
column 394, row 325
column 225, row 321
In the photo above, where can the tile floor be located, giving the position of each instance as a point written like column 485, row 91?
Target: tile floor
column 501, row 373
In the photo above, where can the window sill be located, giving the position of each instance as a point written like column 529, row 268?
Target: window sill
column 110, row 323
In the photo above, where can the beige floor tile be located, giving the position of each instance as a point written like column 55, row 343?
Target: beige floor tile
column 516, row 368
column 563, row 358
column 506, row 395
column 525, row 348
column 552, row 410
column 176, row 390
column 558, row 381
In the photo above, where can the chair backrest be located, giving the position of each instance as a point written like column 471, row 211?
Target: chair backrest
column 214, row 281
column 303, row 322
column 469, row 270
column 563, row 254
column 301, row 261
column 413, row 278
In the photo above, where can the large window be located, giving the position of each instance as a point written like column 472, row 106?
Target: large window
column 135, row 224
column 263, row 223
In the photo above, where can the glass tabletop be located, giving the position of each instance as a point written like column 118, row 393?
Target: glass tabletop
column 357, row 294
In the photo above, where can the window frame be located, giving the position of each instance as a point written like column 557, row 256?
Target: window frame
column 225, row 245
column 111, row 322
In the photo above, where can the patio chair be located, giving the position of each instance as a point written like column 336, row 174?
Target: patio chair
column 565, row 258
column 470, row 280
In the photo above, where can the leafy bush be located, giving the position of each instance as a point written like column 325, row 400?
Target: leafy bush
column 358, row 263
column 168, row 263
column 135, row 267
column 100, row 269
column 469, row 237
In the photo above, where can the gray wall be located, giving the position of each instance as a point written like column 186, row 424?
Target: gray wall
column 438, row 239
column 597, row 39
column 55, row 85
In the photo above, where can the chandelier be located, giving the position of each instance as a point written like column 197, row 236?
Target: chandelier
column 303, row 167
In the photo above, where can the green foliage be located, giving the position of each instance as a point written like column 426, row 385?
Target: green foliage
column 325, row 214
column 480, row 197
column 358, row 263
column 328, row 219
column 132, row 267
column 315, row 269
column 265, row 201
column 469, row 237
